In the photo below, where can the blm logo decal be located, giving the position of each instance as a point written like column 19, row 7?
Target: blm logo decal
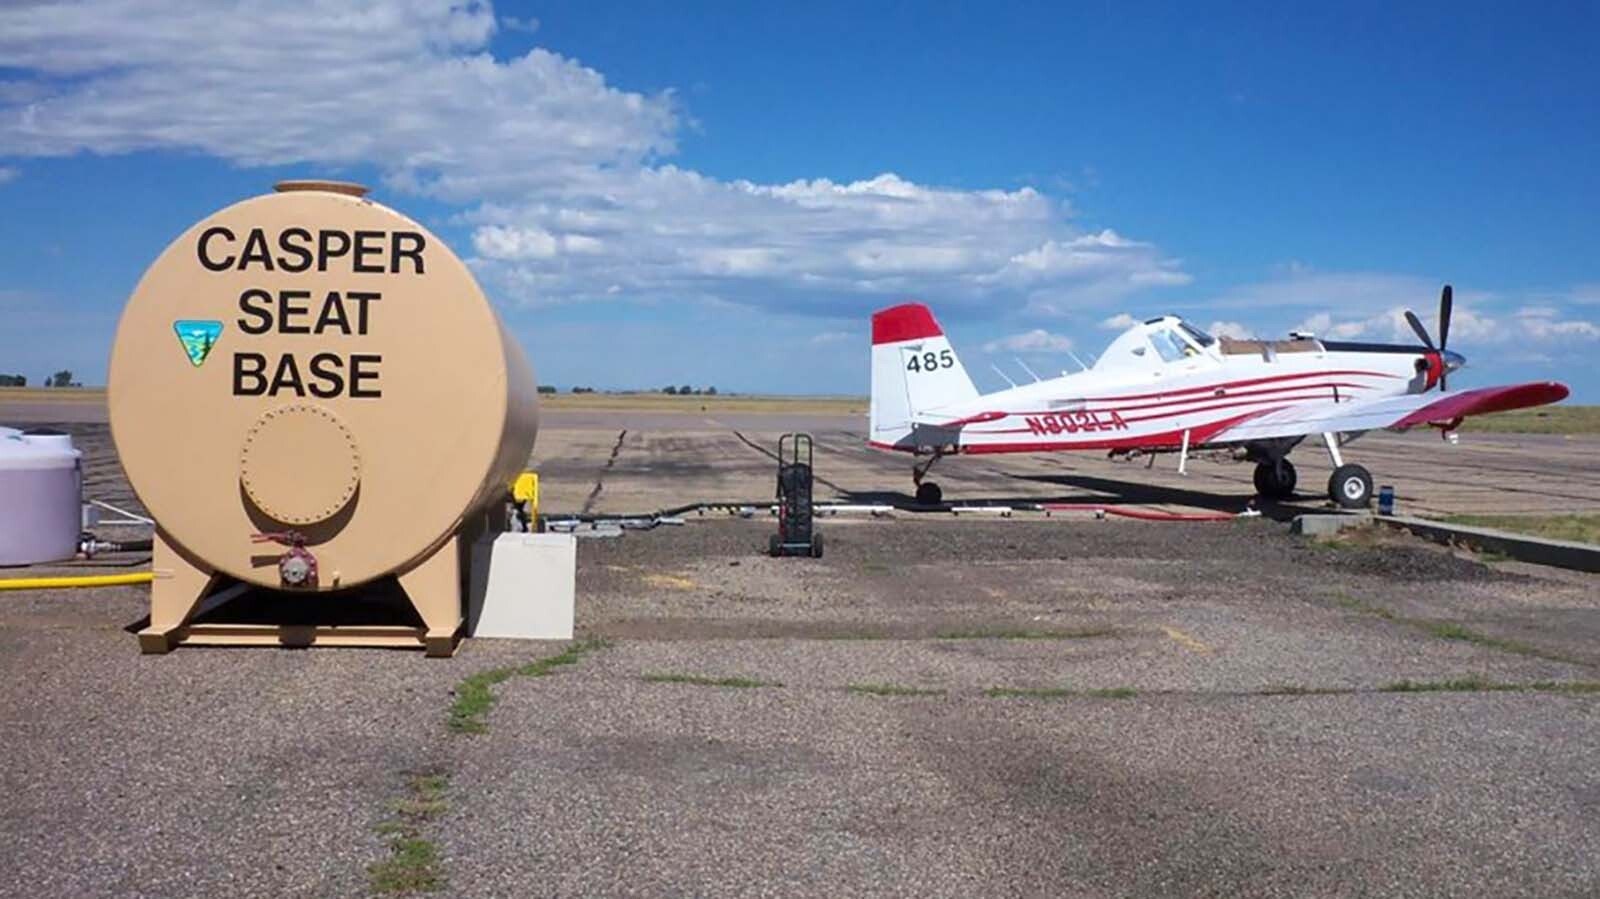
column 197, row 337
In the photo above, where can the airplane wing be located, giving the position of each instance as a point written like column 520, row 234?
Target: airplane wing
column 1396, row 413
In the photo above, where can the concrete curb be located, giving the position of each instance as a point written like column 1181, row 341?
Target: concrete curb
column 1561, row 553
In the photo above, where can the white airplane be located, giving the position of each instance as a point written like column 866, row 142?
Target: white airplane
column 1167, row 386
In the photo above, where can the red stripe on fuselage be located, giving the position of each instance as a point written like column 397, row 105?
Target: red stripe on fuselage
column 1267, row 396
column 1162, row 440
column 1247, row 382
column 1287, row 388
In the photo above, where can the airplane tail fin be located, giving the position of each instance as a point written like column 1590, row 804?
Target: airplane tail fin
column 914, row 370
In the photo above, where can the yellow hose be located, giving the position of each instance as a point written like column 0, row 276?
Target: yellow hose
column 89, row 580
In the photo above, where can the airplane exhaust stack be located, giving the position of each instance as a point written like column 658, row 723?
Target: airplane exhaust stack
column 310, row 393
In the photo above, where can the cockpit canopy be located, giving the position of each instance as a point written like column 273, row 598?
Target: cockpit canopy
column 1153, row 343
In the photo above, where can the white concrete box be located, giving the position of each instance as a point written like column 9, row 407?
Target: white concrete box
column 523, row 586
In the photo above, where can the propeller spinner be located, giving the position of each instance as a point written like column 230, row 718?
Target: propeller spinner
column 1449, row 361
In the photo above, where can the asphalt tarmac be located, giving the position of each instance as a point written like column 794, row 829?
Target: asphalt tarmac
column 938, row 707
column 641, row 462
column 626, row 462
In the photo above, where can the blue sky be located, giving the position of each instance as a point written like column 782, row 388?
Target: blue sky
column 720, row 194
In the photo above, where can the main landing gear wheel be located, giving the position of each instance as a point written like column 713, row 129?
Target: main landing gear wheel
column 774, row 546
column 1350, row 486
column 929, row 494
column 816, row 546
column 1275, row 481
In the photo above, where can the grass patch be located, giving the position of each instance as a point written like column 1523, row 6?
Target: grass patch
column 1563, row 419
column 1059, row 692
column 891, row 690
column 659, row 402
column 475, row 694
column 1450, row 630
column 1470, row 684
column 412, row 867
column 413, row 862
column 1577, row 528
column 698, row 681
column 1475, row 683
column 60, row 394
column 1112, row 693
column 1078, row 633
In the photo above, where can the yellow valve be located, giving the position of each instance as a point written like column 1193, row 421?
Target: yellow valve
column 91, row 580
column 525, row 490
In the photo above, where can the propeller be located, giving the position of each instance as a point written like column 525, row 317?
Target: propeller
column 1446, row 304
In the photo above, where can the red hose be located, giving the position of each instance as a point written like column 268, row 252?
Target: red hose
column 1143, row 514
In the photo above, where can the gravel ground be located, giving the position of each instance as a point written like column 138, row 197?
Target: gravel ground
column 264, row 773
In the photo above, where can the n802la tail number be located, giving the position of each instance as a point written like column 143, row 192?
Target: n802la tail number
column 931, row 361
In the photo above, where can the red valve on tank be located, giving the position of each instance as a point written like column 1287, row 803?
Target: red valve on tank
column 297, row 567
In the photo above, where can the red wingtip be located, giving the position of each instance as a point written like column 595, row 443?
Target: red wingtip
column 1484, row 400
column 907, row 321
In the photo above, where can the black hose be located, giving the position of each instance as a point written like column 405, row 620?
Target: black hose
column 132, row 546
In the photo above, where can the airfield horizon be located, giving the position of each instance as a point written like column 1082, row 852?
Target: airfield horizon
column 27, row 405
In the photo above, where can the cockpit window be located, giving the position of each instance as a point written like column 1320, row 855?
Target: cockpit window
column 1199, row 336
column 1171, row 347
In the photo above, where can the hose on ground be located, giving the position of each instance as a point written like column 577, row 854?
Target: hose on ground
column 1142, row 514
column 87, row 580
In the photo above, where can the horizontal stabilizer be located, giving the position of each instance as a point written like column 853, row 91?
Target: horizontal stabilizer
column 937, row 421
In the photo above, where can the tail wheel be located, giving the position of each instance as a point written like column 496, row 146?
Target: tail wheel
column 1350, row 487
column 929, row 494
column 1276, row 481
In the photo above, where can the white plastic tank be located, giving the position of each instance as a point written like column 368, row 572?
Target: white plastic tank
column 41, row 496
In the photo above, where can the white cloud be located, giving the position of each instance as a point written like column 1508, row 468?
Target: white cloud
column 1388, row 325
column 1119, row 322
column 1036, row 341
column 1541, row 323
column 561, row 172
column 8, row 173
column 404, row 86
column 1372, row 306
column 827, row 337
column 1343, row 292
column 835, row 247
column 1538, row 324
column 1229, row 329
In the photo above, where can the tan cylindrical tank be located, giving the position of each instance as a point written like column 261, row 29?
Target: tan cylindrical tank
column 308, row 392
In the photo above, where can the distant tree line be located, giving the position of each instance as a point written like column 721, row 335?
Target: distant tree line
column 61, row 378
column 685, row 390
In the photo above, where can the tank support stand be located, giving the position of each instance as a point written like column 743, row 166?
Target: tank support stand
column 184, row 588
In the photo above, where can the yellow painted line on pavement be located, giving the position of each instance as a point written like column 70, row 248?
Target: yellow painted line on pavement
column 670, row 581
column 1184, row 640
